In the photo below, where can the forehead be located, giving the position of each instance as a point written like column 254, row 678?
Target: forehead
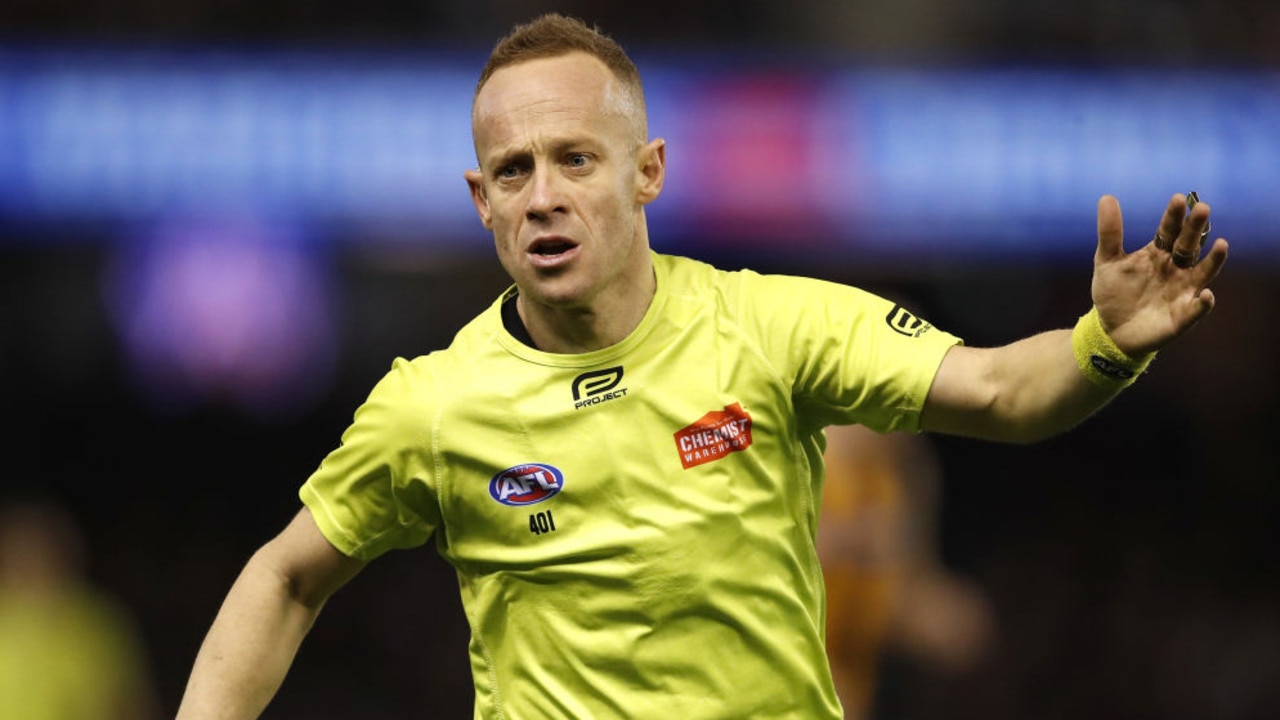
column 575, row 88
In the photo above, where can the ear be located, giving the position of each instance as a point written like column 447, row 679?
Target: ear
column 475, row 183
column 651, row 169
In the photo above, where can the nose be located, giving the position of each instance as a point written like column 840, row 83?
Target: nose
column 545, row 193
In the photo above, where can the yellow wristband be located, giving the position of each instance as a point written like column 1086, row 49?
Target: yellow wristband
column 1105, row 364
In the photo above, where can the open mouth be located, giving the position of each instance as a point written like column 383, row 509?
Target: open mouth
column 548, row 248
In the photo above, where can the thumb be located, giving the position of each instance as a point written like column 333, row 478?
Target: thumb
column 1110, row 228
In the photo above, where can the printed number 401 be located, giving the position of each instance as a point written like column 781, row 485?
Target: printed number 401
column 541, row 523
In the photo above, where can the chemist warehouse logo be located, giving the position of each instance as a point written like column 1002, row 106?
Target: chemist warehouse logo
column 597, row 386
column 905, row 322
column 714, row 436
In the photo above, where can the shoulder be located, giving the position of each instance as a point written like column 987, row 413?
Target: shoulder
column 479, row 339
column 750, row 293
column 415, row 384
column 691, row 277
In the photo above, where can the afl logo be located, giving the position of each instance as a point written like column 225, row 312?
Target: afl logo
column 526, row 484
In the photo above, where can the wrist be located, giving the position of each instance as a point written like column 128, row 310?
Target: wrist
column 1100, row 359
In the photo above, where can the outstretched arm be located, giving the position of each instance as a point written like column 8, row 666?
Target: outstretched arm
column 1042, row 385
column 265, row 616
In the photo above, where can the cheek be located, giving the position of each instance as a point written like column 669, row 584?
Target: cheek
column 504, row 221
column 615, row 208
column 504, row 244
column 624, row 219
column 507, row 257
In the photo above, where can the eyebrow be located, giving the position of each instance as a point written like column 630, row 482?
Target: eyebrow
column 509, row 157
column 505, row 157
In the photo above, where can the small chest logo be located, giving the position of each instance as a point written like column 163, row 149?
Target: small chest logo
column 905, row 322
column 526, row 484
column 714, row 436
column 597, row 386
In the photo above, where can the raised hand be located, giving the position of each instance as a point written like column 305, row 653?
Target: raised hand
column 1149, row 297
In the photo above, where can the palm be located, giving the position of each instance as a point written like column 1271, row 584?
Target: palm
column 1143, row 298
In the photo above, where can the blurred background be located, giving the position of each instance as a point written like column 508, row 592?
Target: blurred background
column 220, row 220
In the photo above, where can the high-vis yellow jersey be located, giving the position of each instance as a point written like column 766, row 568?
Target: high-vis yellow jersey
column 633, row 528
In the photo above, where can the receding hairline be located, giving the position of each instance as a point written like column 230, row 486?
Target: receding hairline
column 554, row 35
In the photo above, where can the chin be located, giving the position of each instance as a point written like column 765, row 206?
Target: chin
column 556, row 292
column 559, row 300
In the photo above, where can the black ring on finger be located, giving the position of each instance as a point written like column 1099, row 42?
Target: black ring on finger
column 1184, row 259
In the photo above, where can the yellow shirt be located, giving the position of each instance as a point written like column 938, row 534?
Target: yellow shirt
column 633, row 528
column 67, row 656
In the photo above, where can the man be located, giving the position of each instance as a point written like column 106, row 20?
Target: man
column 890, row 599
column 622, row 456
column 68, row 647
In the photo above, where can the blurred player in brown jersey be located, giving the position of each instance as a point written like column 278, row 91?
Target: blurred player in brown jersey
column 887, row 588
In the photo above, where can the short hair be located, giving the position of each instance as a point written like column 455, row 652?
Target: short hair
column 552, row 35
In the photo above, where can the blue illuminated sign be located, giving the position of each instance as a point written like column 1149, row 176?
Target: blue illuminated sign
column 999, row 158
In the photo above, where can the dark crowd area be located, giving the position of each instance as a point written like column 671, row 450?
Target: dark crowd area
column 1161, row 31
column 1131, row 563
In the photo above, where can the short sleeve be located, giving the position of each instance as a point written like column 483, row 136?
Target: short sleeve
column 376, row 491
column 852, row 356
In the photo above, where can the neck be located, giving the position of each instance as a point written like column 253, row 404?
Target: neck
column 601, row 323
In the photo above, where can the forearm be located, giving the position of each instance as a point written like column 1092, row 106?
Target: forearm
column 250, row 646
column 1023, row 392
column 1048, row 393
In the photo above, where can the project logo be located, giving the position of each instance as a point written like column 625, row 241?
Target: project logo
column 597, row 386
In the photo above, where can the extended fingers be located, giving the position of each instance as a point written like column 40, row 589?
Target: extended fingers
column 1191, row 236
column 1182, row 232
column 1208, row 269
column 1202, row 300
column 1171, row 222
column 1110, row 228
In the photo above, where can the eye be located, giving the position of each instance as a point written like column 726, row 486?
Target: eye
column 579, row 160
column 507, row 172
